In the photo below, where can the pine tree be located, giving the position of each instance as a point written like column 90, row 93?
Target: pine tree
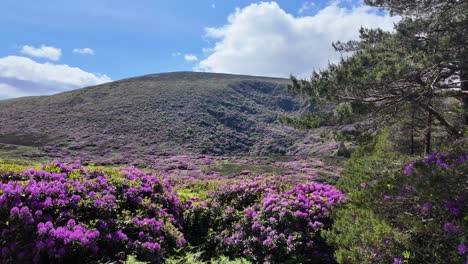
column 388, row 75
column 436, row 26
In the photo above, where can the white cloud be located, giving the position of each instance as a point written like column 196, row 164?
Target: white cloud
column 207, row 50
column 84, row 51
column 43, row 51
column 29, row 77
column 262, row 39
column 306, row 6
column 8, row 91
column 190, row 57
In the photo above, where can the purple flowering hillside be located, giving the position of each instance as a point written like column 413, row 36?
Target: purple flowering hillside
column 169, row 113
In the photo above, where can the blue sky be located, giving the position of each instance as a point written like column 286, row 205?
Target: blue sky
column 91, row 42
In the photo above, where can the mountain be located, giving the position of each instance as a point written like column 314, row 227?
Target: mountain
column 158, row 114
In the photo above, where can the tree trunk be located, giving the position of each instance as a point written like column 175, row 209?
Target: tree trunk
column 464, row 88
column 428, row 134
column 433, row 113
column 413, row 113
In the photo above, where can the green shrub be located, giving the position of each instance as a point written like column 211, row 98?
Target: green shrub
column 196, row 258
column 361, row 236
column 398, row 212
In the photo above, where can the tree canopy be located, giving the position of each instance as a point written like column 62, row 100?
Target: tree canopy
column 385, row 76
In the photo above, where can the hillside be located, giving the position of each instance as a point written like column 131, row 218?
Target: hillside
column 169, row 113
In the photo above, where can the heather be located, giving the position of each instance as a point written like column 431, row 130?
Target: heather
column 136, row 119
column 69, row 213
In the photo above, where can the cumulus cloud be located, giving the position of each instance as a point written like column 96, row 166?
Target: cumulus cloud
column 262, row 39
column 8, row 91
column 306, row 6
column 43, row 51
column 190, row 57
column 84, row 51
column 29, row 77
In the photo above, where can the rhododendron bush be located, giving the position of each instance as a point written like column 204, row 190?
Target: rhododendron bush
column 285, row 226
column 63, row 213
column 68, row 213
column 265, row 220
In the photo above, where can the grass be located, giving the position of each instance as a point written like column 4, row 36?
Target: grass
column 229, row 168
column 15, row 154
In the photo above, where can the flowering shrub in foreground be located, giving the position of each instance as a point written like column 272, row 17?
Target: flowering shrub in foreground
column 285, row 226
column 72, row 214
column 69, row 213
column 266, row 223
column 398, row 213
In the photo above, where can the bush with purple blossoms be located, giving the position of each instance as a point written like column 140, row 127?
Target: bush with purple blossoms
column 268, row 222
column 73, row 214
column 62, row 213
column 285, row 226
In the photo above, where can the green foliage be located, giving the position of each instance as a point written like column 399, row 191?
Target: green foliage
column 361, row 236
column 186, row 194
column 305, row 122
column 392, row 214
column 189, row 258
column 369, row 163
column 344, row 111
column 196, row 258
column 390, row 76
column 133, row 260
column 10, row 167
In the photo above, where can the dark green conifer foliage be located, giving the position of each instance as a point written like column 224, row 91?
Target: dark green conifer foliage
column 389, row 75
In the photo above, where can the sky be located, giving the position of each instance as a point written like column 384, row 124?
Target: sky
column 51, row 46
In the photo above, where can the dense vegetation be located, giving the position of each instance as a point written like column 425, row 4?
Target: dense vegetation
column 414, row 213
column 415, row 77
column 392, row 209
column 70, row 213
column 398, row 95
column 406, row 92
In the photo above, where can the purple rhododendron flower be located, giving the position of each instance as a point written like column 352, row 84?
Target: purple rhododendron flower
column 427, row 207
column 408, row 169
column 452, row 228
column 5, row 251
column 14, row 211
column 462, row 249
